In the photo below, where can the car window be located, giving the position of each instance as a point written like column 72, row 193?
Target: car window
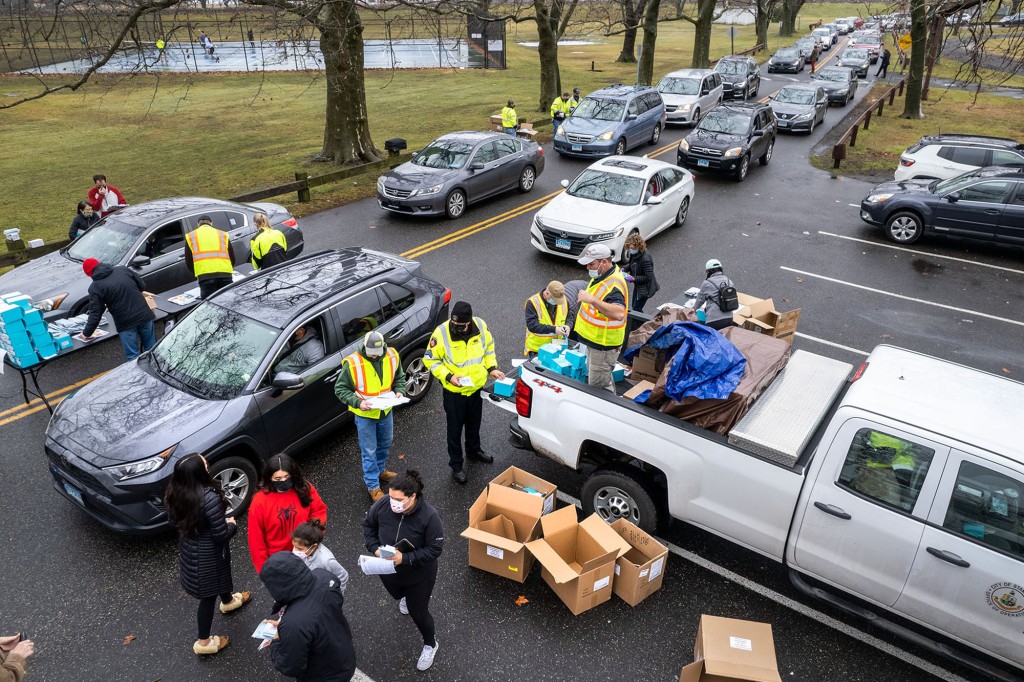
column 443, row 154
column 795, row 96
column 164, row 240
column 359, row 314
column 969, row 156
column 1003, row 158
column 986, row 506
column 108, row 241
column 730, row 67
column 993, row 191
column 234, row 219
column 396, row 299
column 679, row 86
column 600, row 109
column 220, row 220
column 718, row 80
column 654, row 100
column 887, row 469
column 485, row 154
column 669, row 177
column 718, row 121
column 298, row 355
column 507, row 147
column 611, row 188
column 1019, row 196
column 633, row 108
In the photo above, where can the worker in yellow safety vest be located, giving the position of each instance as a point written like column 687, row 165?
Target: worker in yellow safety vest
column 560, row 110
column 546, row 314
column 269, row 247
column 510, row 119
column 461, row 356
column 210, row 256
column 373, row 370
column 888, row 469
column 601, row 321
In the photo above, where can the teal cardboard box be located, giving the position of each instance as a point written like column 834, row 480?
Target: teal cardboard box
column 547, row 354
column 20, row 300
column 33, row 316
column 25, row 359
column 577, row 359
column 563, row 367
column 46, row 350
column 10, row 313
column 63, row 341
column 505, row 387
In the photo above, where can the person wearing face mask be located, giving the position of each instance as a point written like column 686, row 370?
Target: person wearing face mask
column 403, row 521
column 600, row 324
column 285, row 500
column 461, row 356
column 639, row 271
column 546, row 315
column 308, row 545
column 373, row 369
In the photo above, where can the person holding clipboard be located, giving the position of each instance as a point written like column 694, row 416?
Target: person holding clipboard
column 402, row 528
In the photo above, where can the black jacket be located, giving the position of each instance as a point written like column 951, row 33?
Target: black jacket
column 422, row 527
column 315, row 640
column 119, row 290
column 204, row 562
column 81, row 223
column 641, row 268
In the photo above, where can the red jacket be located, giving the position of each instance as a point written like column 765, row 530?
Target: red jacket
column 96, row 199
column 272, row 518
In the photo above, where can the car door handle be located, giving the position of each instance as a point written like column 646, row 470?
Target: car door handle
column 833, row 510
column 948, row 556
column 992, row 211
column 395, row 334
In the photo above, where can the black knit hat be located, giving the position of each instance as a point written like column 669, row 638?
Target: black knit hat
column 462, row 312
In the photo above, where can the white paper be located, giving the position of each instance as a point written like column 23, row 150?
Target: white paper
column 465, row 382
column 96, row 335
column 549, row 505
column 185, row 298
column 740, row 643
column 616, row 569
column 518, row 362
column 644, row 573
column 265, row 631
column 495, row 552
column 371, row 565
column 3, row 354
column 656, row 568
column 602, row 583
column 386, row 400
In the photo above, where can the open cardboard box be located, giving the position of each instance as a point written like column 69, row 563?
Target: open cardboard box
column 640, row 572
column 730, row 650
column 759, row 315
column 501, row 522
column 518, row 481
column 578, row 558
column 648, row 364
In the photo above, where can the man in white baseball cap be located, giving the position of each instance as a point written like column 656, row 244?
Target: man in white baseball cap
column 601, row 321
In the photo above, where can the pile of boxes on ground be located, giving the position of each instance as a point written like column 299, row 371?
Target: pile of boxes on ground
column 24, row 334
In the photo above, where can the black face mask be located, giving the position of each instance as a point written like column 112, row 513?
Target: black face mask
column 283, row 486
column 462, row 333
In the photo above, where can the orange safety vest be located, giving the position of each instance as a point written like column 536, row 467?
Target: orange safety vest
column 366, row 381
column 210, row 251
column 592, row 324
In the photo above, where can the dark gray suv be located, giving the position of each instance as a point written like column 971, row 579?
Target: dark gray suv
column 211, row 384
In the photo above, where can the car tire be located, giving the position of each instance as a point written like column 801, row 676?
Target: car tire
column 847, row 100
column 238, row 480
column 614, row 494
column 767, row 156
column 417, row 377
column 814, row 121
column 684, row 209
column 903, row 227
column 757, row 89
column 656, row 135
column 696, row 116
column 620, row 147
column 455, row 204
column 527, row 179
column 741, row 172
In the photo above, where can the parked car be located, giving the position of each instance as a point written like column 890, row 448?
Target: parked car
column 609, row 201
column 1011, row 19
column 839, row 83
column 149, row 238
column 844, row 25
column 729, row 138
column 211, row 384
column 945, row 156
column 870, row 42
column 985, row 204
column 856, row 60
column 612, row 120
column 459, row 169
column 835, row 32
column 786, row 59
column 810, row 48
column 741, row 77
column 688, row 93
column 799, row 107
column 824, row 38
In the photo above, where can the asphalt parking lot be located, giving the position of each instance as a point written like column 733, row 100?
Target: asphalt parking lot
column 788, row 231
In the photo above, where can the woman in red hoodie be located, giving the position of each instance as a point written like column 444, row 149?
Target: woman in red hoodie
column 285, row 500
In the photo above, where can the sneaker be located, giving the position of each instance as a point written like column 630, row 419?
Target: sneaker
column 427, row 656
column 403, row 607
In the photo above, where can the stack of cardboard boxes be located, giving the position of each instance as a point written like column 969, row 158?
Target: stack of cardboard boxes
column 759, row 315
column 558, row 358
column 23, row 332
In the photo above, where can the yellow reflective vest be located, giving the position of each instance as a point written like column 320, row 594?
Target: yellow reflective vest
column 591, row 324
column 561, row 105
column 261, row 243
column 473, row 358
column 366, row 382
column 210, row 251
column 901, row 458
column 509, row 118
column 535, row 341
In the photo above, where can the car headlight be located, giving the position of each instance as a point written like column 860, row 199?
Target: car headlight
column 560, row 131
column 735, row 151
column 805, row 117
column 687, row 107
column 878, row 198
column 607, row 235
column 51, row 303
column 684, row 146
column 839, row 63
column 122, row 472
column 843, row 91
column 606, row 136
column 380, row 184
column 540, row 223
column 741, row 86
column 429, row 190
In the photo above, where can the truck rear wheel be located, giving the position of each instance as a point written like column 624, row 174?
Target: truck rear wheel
column 617, row 495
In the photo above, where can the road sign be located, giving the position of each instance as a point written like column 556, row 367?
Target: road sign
column 904, row 41
column 732, row 31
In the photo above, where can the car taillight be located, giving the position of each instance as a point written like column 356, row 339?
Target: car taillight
column 524, row 399
column 447, row 296
column 860, row 371
column 291, row 222
column 540, row 150
column 905, row 162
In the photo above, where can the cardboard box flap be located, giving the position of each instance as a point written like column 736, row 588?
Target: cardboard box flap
column 558, row 520
column 549, row 559
column 497, row 532
column 638, row 539
column 692, row 672
column 503, row 496
column 738, row 671
column 597, row 562
column 738, row 648
column 524, row 478
column 605, row 535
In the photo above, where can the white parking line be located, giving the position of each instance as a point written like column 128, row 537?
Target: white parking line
column 360, row 676
column 830, row 343
column 959, row 309
column 921, row 253
column 803, row 610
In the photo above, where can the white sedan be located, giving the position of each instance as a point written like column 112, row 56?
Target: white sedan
column 610, row 200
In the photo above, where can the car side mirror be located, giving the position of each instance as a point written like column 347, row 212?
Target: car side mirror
column 705, row 91
column 654, row 201
column 757, row 133
column 140, row 261
column 476, row 166
column 630, row 117
column 286, row 381
column 564, row 183
column 952, row 197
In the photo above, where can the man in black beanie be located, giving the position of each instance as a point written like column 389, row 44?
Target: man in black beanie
column 461, row 356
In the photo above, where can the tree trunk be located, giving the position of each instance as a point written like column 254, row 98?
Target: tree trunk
column 702, row 34
column 645, row 71
column 346, row 130
column 762, row 18
column 631, row 14
column 550, row 76
column 918, row 52
column 790, row 8
column 679, row 8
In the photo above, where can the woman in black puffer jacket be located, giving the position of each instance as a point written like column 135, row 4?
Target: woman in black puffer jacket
column 639, row 270
column 196, row 506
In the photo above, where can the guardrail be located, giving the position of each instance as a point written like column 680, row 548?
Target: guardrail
column 18, row 253
column 839, row 149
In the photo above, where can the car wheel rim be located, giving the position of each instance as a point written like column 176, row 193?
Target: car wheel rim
column 613, row 503
column 743, row 167
column 620, row 148
column 417, row 376
column 903, row 228
column 657, row 135
column 235, row 485
column 456, row 204
column 526, row 182
column 768, row 154
column 684, row 208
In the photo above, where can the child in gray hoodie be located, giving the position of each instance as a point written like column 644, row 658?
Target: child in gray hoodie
column 307, row 544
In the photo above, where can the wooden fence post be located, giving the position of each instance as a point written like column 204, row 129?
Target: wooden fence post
column 838, row 154
column 892, row 96
column 881, row 105
column 303, row 191
column 853, row 136
column 867, row 120
column 901, row 86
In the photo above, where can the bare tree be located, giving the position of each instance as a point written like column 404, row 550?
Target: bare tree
column 632, row 11
column 789, row 11
column 763, row 10
column 645, row 70
column 918, row 51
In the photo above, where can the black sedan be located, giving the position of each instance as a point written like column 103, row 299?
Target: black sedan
column 985, row 204
column 458, row 169
column 856, row 59
column 786, row 59
column 810, row 48
column 799, row 107
column 839, row 83
column 150, row 239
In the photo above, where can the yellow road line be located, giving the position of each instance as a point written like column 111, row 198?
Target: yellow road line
column 25, row 413
column 39, row 403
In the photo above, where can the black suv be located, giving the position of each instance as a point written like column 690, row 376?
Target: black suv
column 741, row 77
column 728, row 137
column 213, row 383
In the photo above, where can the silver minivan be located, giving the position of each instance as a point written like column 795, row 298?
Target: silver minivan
column 690, row 93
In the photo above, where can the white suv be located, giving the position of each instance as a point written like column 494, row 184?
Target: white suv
column 688, row 93
column 939, row 157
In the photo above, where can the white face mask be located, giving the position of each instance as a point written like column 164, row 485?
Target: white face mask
column 594, row 274
column 397, row 506
column 301, row 554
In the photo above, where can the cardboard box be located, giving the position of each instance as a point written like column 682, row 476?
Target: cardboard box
column 638, row 389
column 729, row 650
column 150, row 300
column 618, row 373
column 562, row 366
column 648, row 364
column 505, row 387
column 548, row 353
column 759, row 315
column 500, row 525
column 640, row 572
column 11, row 313
column 527, row 489
column 578, row 558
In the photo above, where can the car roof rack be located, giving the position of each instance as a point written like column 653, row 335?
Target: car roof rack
column 625, row 164
column 1004, row 142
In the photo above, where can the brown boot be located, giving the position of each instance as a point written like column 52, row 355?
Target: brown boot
column 387, row 476
column 376, row 494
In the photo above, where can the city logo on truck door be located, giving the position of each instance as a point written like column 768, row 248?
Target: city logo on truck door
column 1006, row 598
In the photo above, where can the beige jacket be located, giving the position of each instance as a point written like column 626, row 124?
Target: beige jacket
column 12, row 667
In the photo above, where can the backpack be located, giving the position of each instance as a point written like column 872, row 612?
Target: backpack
column 727, row 300
column 275, row 256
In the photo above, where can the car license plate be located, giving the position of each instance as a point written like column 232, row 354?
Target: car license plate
column 783, row 124
column 703, row 163
column 74, row 492
column 563, row 244
column 577, row 147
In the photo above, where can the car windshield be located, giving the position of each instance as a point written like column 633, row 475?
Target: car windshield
column 870, row 40
column 600, row 109
column 795, row 96
column 855, row 54
column 731, row 67
column 821, row 32
column 679, row 86
column 788, row 53
column 214, row 352
column 952, row 183
column 108, row 241
column 443, row 154
column 724, row 122
column 610, row 188
column 830, row 75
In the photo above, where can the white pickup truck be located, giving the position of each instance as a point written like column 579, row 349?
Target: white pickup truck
column 899, row 485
